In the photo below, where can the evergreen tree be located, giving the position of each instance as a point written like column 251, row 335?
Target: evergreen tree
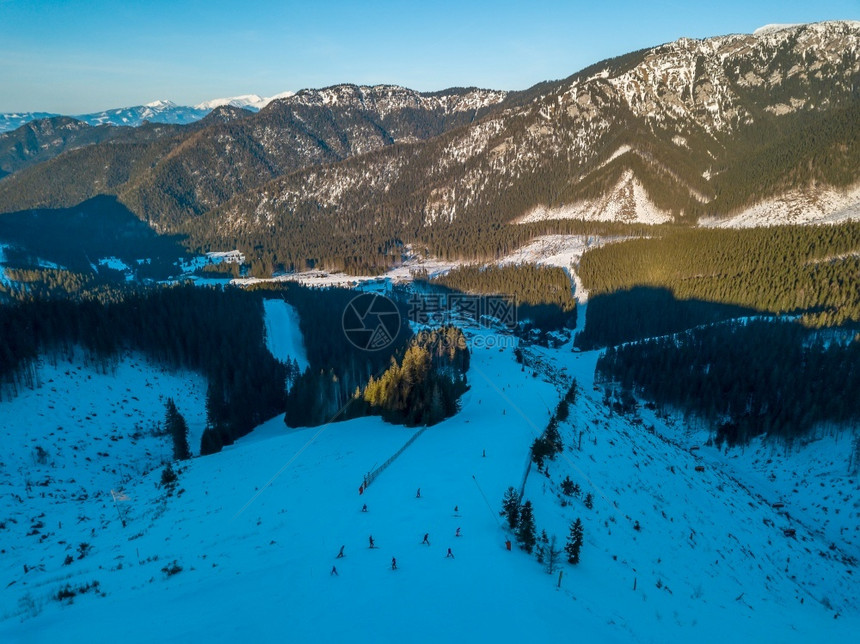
column 570, row 396
column 526, row 528
column 176, row 426
column 574, row 542
column 563, row 410
column 553, row 437
column 511, row 507
column 567, row 486
column 589, row 501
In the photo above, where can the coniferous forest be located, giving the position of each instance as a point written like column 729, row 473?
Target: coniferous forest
column 746, row 379
column 423, row 387
column 811, row 270
column 216, row 332
column 543, row 294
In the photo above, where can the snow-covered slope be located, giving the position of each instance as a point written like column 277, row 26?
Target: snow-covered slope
column 256, row 530
column 283, row 336
column 824, row 205
column 627, row 202
column 161, row 111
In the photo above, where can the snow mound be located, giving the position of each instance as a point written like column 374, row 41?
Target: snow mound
column 247, row 101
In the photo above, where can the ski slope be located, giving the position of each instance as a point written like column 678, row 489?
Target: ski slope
column 283, row 336
column 257, row 527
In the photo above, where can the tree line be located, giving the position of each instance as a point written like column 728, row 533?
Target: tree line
column 746, row 379
column 219, row 333
column 789, row 269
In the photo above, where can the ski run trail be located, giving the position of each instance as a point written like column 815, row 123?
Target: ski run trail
column 251, row 534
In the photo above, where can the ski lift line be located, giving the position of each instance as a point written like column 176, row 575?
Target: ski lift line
column 490, row 507
column 371, row 477
column 292, row 459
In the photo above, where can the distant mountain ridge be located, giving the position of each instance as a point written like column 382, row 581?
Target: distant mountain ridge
column 160, row 111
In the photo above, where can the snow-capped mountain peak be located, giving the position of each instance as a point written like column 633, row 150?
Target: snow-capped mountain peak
column 160, row 104
column 245, row 101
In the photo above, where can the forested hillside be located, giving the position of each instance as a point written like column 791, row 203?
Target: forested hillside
column 762, row 377
column 799, row 269
column 171, row 178
column 218, row 333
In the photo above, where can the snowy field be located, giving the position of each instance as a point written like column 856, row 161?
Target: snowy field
column 256, row 528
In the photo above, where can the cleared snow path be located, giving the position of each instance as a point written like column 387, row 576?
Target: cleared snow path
column 283, row 336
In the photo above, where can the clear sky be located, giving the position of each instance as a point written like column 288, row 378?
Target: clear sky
column 76, row 56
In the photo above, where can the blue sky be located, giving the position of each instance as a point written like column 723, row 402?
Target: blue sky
column 86, row 55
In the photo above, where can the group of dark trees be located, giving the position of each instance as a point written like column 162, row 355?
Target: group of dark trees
column 425, row 386
column 646, row 312
column 549, row 444
column 327, row 391
column 218, row 333
column 789, row 269
column 528, row 283
column 542, row 295
column 520, row 519
column 746, row 379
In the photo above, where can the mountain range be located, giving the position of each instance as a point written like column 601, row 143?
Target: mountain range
column 689, row 131
column 161, row 111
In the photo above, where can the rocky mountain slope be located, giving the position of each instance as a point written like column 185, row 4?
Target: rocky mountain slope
column 188, row 171
column 689, row 129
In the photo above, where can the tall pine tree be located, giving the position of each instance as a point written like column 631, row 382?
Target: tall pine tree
column 511, row 507
column 176, row 426
column 574, row 542
column 526, row 528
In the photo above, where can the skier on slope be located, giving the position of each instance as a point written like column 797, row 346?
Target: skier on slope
column 371, row 541
column 340, row 554
column 418, row 493
column 333, row 572
column 450, row 554
column 426, row 538
column 457, row 534
column 393, row 563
